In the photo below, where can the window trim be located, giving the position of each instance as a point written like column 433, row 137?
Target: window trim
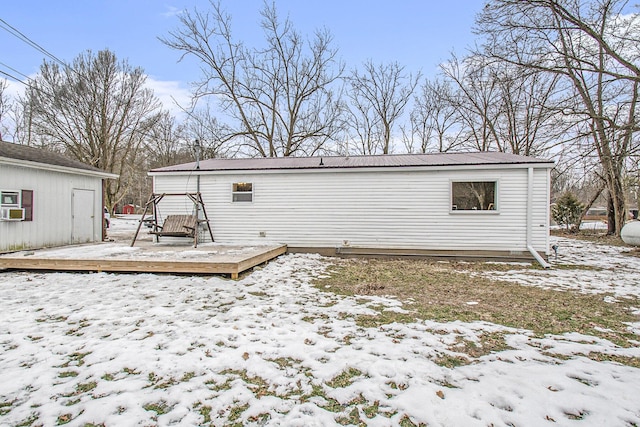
column 18, row 203
column 235, row 193
column 496, row 198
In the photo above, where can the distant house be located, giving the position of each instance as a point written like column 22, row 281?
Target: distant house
column 47, row 199
column 453, row 205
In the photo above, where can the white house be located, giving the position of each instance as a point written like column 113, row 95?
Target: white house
column 47, row 199
column 449, row 204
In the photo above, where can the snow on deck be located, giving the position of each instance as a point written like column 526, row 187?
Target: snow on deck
column 170, row 255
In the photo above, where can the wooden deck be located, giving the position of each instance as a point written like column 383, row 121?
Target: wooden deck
column 148, row 258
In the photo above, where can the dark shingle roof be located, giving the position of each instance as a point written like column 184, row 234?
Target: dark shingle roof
column 39, row 155
column 378, row 161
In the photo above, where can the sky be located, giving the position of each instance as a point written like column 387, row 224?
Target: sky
column 418, row 34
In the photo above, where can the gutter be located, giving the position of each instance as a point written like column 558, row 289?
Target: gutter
column 530, row 248
column 330, row 169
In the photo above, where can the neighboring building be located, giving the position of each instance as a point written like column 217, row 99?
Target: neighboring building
column 449, row 204
column 128, row 209
column 47, row 199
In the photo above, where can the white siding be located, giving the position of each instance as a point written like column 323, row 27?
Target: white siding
column 52, row 207
column 540, row 219
column 388, row 208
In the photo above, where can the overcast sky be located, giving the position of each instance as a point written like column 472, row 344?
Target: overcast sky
column 418, row 34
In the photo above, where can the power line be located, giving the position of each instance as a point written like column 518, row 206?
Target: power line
column 12, row 77
column 25, row 39
column 14, row 70
column 19, row 35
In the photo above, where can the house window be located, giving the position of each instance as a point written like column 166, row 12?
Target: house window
column 474, row 196
column 242, row 192
column 10, row 199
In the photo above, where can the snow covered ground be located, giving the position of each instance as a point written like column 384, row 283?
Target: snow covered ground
column 270, row 349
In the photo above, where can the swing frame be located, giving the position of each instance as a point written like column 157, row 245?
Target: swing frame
column 178, row 225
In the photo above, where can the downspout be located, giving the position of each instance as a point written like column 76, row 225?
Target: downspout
column 198, row 147
column 198, row 153
column 530, row 248
column 102, row 205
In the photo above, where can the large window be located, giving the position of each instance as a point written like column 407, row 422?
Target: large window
column 242, row 192
column 474, row 196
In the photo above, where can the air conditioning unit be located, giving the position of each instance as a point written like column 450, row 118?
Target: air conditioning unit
column 11, row 214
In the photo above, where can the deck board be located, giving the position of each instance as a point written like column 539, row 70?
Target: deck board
column 218, row 259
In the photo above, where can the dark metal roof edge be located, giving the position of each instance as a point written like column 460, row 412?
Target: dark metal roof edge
column 25, row 153
column 524, row 161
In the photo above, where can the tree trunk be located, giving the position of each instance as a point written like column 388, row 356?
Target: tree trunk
column 592, row 201
column 611, row 218
column 616, row 209
column 619, row 208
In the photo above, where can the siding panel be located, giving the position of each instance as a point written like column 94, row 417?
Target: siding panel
column 393, row 209
column 52, row 215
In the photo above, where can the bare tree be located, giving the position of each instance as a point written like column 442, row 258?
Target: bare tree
column 477, row 100
column 5, row 108
column 530, row 123
column 95, row 110
column 378, row 95
column 594, row 49
column 279, row 99
column 364, row 127
column 212, row 135
column 435, row 121
column 166, row 143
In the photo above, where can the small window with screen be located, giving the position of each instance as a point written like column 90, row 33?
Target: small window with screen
column 242, row 192
column 10, row 198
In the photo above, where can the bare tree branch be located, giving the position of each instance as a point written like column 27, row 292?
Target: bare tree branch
column 593, row 49
column 97, row 111
column 279, row 99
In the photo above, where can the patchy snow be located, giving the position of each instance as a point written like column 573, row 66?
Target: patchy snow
column 143, row 349
column 585, row 225
column 602, row 269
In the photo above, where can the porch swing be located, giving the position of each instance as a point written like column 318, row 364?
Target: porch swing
column 175, row 225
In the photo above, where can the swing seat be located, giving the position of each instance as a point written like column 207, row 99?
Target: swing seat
column 178, row 226
column 174, row 225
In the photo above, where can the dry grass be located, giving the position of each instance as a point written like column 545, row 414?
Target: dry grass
column 443, row 291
